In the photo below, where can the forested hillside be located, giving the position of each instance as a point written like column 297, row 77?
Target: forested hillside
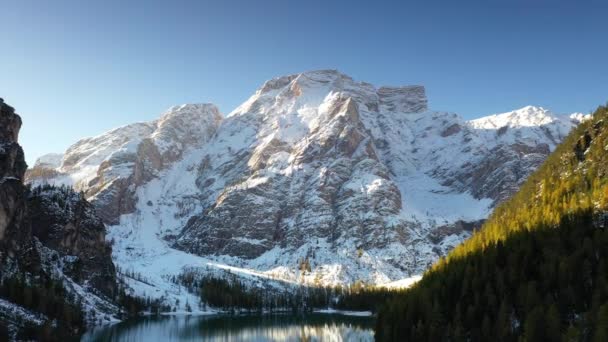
column 536, row 270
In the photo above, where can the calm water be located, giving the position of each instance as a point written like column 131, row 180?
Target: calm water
column 313, row 327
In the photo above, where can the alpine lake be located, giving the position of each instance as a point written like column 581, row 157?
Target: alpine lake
column 271, row 327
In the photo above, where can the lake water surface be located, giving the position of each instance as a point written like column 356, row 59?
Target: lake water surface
column 312, row 327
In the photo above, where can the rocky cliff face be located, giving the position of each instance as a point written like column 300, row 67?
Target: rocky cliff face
column 365, row 183
column 109, row 167
column 63, row 221
column 49, row 233
column 289, row 211
column 14, row 224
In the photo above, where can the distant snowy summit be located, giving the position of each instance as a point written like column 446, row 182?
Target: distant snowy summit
column 529, row 116
column 360, row 182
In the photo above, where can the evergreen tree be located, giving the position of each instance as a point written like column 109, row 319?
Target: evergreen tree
column 601, row 327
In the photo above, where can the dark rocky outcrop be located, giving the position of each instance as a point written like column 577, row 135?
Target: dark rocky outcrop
column 64, row 221
column 47, row 234
column 59, row 218
column 113, row 165
column 14, row 224
column 453, row 129
column 406, row 99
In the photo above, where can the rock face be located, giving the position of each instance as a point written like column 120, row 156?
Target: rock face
column 64, row 221
column 365, row 183
column 409, row 99
column 274, row 204
column 14, row 228
column 518, row 142
column 336, row 177
column 109, row 167
column 49, row 233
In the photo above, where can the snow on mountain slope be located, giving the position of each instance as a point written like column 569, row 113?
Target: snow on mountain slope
column 363, row 183
column 50, row 160
column 527, row 122
column 402, row 283
column 110, row 166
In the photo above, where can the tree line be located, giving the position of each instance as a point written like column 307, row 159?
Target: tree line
column 48, row 297
column 229, row 293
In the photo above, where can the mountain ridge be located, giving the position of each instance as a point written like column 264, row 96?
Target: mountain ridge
column 317, row 167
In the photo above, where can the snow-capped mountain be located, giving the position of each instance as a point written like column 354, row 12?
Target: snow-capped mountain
column 109, row 167
column 363, row 183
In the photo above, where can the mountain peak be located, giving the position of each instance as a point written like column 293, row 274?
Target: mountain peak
column 531, row 108
column 192, row 110
column 314, row 74
column 187, row 125
column 528, row 116
column 577, row 118
column 192, row 107
column 311, row 78
column 49, row 160
column 311, row 88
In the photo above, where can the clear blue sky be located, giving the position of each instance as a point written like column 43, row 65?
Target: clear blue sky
column 78, row 68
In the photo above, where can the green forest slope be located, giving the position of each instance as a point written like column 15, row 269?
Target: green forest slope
column 538, row 268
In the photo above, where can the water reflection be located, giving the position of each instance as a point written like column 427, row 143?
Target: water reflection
column 315, row 327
